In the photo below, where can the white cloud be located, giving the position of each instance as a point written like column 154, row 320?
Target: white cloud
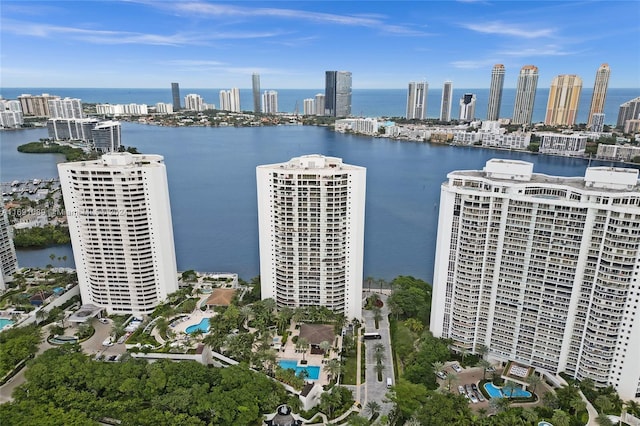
column 511, row 30
column 127, row 37
column 548, row 50
column 370, row 21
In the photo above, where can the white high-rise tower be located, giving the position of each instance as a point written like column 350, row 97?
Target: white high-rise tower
column 495, row 92
column 447, row 99
column 121, row 231
column 525, row 95
column 542, row 270
column 311, row 225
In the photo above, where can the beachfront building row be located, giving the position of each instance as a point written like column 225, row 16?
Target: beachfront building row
column 122, row 109
column 121, row 231
column 311, row 232
column 362, row 126
column 543, row 270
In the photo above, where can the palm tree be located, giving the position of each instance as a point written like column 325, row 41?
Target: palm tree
column 632, row 407
column 451, row 379
column 577, row 404
column 464, row 352
column 326, row 347
column 484, row 364
column 372, row 408
column 303, row 345
column 534, row 380
column 41, row 315
column 437, row 366
column 377, row 316
column 529, row 415
column 603, row 420
column 245, row 313
column 560, row 418
column 499, row 404
column 379, row 356
column 379, row 369
column 603, row 403
column 333, row 368
column 510, row 387
column 481, row 350
column 378, row 347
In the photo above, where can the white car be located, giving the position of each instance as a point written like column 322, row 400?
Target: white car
column 442, row 375
column 461, row 390
column 473, row 398
column 456, row 368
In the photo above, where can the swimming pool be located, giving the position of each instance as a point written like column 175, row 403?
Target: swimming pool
column 543, row 423
column 203, row 325
column 312, row 370
column 495, row 392
column 5, row 322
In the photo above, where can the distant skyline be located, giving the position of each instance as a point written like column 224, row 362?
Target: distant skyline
column 202, row 44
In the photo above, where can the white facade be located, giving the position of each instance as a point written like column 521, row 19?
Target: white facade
column 320, row 101
column 121, row 231
column 311, row 225
column 11, row 119
column 562, row 144
column 193, row 102
column 617, row 152
column 309, row 106
column 447, row 100
column 122, row 109
column 230, row 100
column 495, row 92
column 365, row 126
column 525, row 95
column 270, row 102
column 65, row 108
column 164, row 108
column 543, row 270
column 467, row 107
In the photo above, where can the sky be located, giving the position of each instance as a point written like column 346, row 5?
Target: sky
column 385, row 44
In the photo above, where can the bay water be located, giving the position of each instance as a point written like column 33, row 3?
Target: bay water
column 212, row 186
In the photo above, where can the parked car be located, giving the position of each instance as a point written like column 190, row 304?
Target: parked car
column 104, row 320
column 473, row 398
column 461, row 390
column 480, row 397
column 456, row 368
column 441, row 374
column 491, row 369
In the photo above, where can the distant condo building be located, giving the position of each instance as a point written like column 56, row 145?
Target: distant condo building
column 338, row 93
column 309, row 106
column 597, row 122
column 121, row 231
column 270, row 102
column 255, row 91
column 599, row 95
column 311, row 228
column 193, row 102
column 495, row 92
column 618, row 152
column 36, row 106
column 230, row 100
column 447, row 99
column 571, row 145
column 542, row 270
column 104, row 136
column 564, row 98
column 320, row 103
column 65, row 108
column 417, row 100
column 468, row 107
column 122, row 109
column 525, row 95
column 8, row 259
column 175, row 95
column 629, row 110
column 10, row 114
column 164, row 108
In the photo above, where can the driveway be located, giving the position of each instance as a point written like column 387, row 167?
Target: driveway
column 375, row 390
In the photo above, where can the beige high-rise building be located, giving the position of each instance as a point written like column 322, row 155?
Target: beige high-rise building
column 564, row 95
column 495, row 92
column 599, row 93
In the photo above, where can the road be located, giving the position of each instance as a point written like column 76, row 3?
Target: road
column 375, row 390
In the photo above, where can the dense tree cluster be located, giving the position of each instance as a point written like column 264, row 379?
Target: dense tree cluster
column 71, row 154
column 66, row 387
column 17, row 344
column 46, row 236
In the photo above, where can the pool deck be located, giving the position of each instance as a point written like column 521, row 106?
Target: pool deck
column 288, row 352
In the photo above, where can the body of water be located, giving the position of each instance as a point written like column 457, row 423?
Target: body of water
column 365, row 102
column 212, row 185
column 313, row 371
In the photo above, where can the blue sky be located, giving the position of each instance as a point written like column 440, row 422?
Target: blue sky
column 385, row 44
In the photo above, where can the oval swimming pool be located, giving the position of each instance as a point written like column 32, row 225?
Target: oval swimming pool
column 495, row 392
